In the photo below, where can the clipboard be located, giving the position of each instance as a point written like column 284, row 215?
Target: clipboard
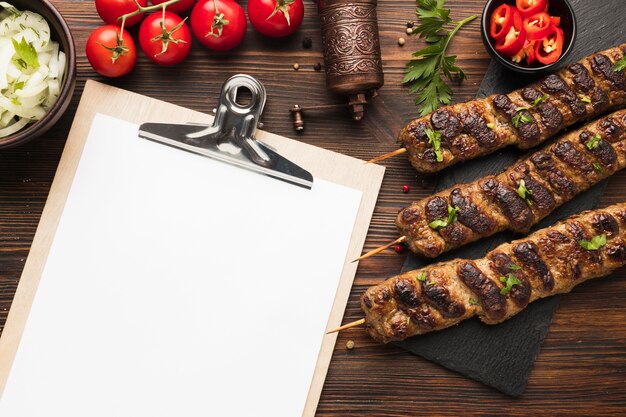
column 111, row 101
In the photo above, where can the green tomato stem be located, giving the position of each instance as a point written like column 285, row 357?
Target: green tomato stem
column 141, row 9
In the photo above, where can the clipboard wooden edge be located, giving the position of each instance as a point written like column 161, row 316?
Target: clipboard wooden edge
column 135, row 108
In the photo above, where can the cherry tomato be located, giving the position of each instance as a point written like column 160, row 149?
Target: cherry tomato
column 108, row 54
column 167, row 45
column 219, row 25
column 110, row 10
column 276, row 18
column 181, row 6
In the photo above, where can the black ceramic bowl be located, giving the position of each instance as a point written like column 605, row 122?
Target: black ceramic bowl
column 560, row 8
column 61, row 34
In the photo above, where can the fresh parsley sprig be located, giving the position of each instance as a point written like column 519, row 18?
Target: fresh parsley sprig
column 423, row 74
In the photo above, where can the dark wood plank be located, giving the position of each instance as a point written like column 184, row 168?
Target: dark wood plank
column 582, row 366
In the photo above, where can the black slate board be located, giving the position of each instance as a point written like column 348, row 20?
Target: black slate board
column 502, row 356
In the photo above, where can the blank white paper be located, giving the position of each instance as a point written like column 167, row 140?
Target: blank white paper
column 180, row 286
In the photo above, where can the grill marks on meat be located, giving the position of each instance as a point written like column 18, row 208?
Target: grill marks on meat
column 548, row 262
column 479, row 127
column 492, row 204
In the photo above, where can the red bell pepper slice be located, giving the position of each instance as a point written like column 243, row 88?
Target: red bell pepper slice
column 549, row 49
column 556, row 20
column 514, row 40
column 530, row 7
column 501, row 21
column 537, row 26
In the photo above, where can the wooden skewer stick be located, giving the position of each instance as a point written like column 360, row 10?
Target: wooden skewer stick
column 347, row 326
column 387, row 155
column 380, row 249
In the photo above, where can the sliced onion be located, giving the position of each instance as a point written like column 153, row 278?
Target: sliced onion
column 27, row 93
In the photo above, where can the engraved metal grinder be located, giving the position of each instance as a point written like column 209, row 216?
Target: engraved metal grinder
column 352, row 60
column 351, row 45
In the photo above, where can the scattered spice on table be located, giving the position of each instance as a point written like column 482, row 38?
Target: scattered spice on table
column 307, row 43
column 350, row 344
column 296, row 66
column 401, row 41
column 317, row 66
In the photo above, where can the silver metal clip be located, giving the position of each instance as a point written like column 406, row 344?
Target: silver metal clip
column 231, row 137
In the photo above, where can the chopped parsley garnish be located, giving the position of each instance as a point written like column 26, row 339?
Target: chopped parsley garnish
column 524, row 192
column 452, row 214
column 538, row 100
column 585, row 99
column 18, row 86
column 473, row 302
column 598, row 167
column 434, row 140
column 513, row 267
column 595, row 243
column 422, row 277
column 26, row 54
column 594, row 142
column 509, row 281
column 620, row 64
column 15, row 101
column 521, row 117
column 491, row 125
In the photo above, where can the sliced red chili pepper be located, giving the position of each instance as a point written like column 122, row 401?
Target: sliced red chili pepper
column 529, row 49
column 537, row 26
column 530, row 7
column 501, row 21
column 514, row 40
column 556, row 20
column 550, row 48
column 526, row 53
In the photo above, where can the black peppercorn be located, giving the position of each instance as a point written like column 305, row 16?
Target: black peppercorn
column 307, row 43
column 317, row 66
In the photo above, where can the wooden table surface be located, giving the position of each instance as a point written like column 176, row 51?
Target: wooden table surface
column 582, row 366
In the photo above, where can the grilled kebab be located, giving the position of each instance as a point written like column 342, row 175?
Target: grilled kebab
column 524, row 118
column 520, row 196
column 498, row 286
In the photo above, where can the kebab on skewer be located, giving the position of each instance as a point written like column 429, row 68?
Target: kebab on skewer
column 523, row 118
column 519, row 197
column 550, row 261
